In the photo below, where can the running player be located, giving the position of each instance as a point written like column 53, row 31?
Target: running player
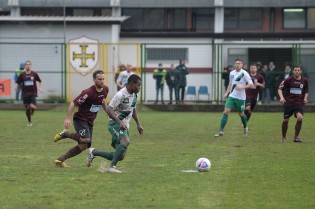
column 252, row 93
column 28, row 80
column 89, row 102
column 239, row 81
column 293, row 93
column 120, row 109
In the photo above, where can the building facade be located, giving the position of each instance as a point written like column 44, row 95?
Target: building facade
column 209, row 34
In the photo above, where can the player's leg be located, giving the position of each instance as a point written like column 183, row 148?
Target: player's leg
column 157, row 89
column 248, row 111
column 83, row 137
column 227, row 109
column 240, row 106
column 299, row 118
column 26, row 102
column 287, row 113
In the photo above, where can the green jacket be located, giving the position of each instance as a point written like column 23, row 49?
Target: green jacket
column 159, row 75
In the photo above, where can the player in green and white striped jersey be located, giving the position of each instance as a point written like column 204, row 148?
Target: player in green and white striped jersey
column 235, row 92
column 120, row 109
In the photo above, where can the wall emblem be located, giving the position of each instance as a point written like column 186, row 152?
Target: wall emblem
column 84, row 53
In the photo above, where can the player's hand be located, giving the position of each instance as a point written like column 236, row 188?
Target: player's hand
column 67, row 123
column 140, row 129
column 238, row 88
column 123, row 126
column 282, row 100
column 305, row 101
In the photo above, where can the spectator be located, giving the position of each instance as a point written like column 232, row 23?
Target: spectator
column 159, row 75
column 122, row 79
column 17, row 73
column 172, row 79
column 226, row 75
column 183, row 71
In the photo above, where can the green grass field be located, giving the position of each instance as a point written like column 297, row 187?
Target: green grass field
column 254, row 172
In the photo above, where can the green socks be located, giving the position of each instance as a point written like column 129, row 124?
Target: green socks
column 121, row 149
column 103, row 154
column 244, row 121
column 224, row 120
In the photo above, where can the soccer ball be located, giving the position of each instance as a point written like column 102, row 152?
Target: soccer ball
column 203, row 164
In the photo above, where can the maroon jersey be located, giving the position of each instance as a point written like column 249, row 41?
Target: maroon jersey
column 89, row 102
column 294, row 91
column 252, row 93
column 29, row 87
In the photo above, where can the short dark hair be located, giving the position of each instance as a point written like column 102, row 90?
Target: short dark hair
column 298, row 66
column 134, row 78
column 97, row 72
column 238, row 59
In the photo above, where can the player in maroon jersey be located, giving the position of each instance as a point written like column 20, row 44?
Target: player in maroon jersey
column 252, row 93
column 89, row 102
column 28, row 80
column 293, row 93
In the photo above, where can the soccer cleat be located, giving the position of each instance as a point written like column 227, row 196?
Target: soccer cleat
column 284, row 139
column 297, row 140
column 60, row 164
column 246, row 131
column 90, row 157
column 220, row 133
column 113, row 169
column 61, row 135
column 29, row 124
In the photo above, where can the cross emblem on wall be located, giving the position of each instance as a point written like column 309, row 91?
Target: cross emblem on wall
column 83, row 56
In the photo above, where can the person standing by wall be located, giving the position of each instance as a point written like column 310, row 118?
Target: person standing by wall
column 293, row 93
column 159, row 76
column 172, row 79
column 226, row 75
column 17, row 73
column 28, row 81
column 183, row 71
column 123, row 77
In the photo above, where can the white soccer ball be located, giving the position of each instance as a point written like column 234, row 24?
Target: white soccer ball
column 203, row 164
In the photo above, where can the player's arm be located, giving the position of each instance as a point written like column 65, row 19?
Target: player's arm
column 135, row 117
column 119, row 81
column 111, row 113
column 41, row 87
column 69, row 115
column 228, row 89
column 280, row 93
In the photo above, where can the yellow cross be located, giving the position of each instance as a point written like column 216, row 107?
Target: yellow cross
column 84, row 56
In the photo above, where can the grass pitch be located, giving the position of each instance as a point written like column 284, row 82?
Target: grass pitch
column 254, row 172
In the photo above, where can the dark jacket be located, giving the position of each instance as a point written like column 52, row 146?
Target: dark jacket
column 172, row 78
column 183, row 71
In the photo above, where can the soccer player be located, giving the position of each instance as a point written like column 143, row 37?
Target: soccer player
column 252, row 93
column 89, row 102
column 120, row 109
column 293, row 93
column 235, row 92
column 122, row 79
column 28, row 80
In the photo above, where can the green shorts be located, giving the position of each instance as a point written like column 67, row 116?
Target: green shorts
column 114, row 130
column 238, row 103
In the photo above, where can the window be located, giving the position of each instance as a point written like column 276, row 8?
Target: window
column 178, row 18
column 83, row 12
column 230, row 19
column 250, row 19
column 106, row 12
column 203, row 19
column 243, row 19
column 158, row 54
column 30, row 11
column 294, row 18
column 311, row 18
column 153, row 19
